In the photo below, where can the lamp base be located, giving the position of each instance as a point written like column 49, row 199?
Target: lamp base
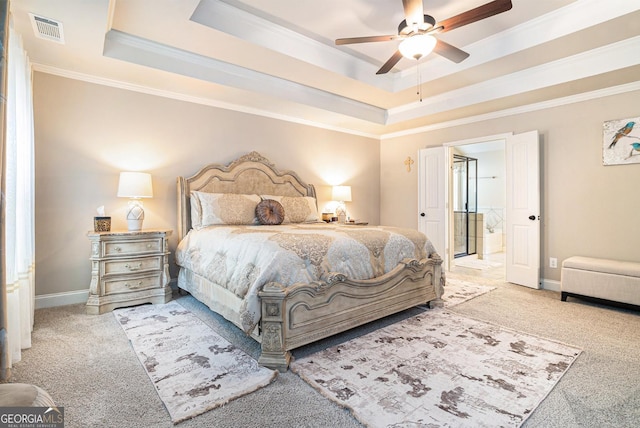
column 135, row 215
column 134, row 225
column 341, row 212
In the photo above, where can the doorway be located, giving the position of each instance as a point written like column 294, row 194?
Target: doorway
column 484, row 166
column 521, row 220
column 465, row 205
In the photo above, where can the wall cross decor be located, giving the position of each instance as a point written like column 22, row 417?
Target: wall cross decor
column 408, row 162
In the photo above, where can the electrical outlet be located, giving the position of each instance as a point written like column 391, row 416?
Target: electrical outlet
column 553, row 262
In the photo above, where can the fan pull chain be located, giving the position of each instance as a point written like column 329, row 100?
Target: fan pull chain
column 418, row 82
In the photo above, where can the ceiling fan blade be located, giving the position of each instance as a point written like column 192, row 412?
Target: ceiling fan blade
column 391, row 62
column 413, row 11
column 450, row 52
column 473, row 15
column 352, row 40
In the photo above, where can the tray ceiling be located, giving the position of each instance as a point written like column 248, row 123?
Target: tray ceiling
column 278, row 58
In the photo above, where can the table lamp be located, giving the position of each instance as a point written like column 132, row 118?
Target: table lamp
column 135, row 185
column 341, row 194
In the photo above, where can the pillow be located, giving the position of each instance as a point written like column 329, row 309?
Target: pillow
column 196, row 211
column 225, row 208
column 269, row 212
column 297, row 209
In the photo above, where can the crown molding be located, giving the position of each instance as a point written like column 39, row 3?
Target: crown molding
column 137, row 50
column 557, row 102
column 43, row 68
column 597, row 61
column 239, row 23
column 225, row 17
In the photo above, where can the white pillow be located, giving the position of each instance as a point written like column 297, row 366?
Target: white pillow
column 196, row 211
column 297, row 209
column 223, row 208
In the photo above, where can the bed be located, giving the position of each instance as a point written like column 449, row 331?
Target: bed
column 294, row 283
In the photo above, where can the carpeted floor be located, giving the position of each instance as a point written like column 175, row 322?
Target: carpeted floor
column 87, row 365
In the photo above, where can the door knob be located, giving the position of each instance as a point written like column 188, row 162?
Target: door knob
column 532, row 217
column 422, row 215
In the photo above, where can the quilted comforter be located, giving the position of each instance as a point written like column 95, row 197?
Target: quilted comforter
column 245, row 258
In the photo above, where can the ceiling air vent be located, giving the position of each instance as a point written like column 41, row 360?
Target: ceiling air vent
column 47, row 29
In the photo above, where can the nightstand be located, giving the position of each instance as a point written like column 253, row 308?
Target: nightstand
column 128, row 268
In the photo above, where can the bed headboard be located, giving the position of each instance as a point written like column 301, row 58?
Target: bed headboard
column 249, row 174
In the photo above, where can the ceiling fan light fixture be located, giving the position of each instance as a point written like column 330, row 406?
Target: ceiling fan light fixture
column 417, row 46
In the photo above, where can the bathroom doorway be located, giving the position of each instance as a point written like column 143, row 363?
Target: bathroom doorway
column 508, row 201
column 484, row 163
column 465, row 205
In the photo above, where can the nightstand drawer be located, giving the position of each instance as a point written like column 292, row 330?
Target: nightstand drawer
column 129, row 266
column 125, row 248
column 132, row 284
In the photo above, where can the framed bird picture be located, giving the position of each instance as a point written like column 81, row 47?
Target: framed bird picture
column 621, row 141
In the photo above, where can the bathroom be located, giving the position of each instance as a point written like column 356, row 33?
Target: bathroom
column 479, row 200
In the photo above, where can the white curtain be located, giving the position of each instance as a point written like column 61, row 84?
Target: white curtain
column 20, row 194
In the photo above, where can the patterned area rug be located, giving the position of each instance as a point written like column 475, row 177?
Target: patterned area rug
column 459, row 290
column 439, row 369
column 193, row 369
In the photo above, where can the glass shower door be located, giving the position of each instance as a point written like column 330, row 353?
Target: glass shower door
column 465, row 205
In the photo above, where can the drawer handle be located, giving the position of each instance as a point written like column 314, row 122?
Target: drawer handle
column 117, row 248
column 133, row 267
column 149, row 245
column 138, row 284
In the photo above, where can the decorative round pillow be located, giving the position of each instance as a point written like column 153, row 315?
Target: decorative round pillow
column 270, row 212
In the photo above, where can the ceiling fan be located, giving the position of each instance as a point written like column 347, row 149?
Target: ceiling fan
column 417, row 32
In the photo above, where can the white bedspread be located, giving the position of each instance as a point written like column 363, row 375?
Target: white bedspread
column 245, row 258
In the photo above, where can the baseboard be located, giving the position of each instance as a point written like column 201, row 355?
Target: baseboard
column 550, row 284
column 61, row 299
column 74, row 297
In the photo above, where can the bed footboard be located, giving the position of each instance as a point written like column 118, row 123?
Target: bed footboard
column 305, row 313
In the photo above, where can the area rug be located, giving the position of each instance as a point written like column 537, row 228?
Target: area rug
column 439, row 369
column 458, row 290
column 192, row 368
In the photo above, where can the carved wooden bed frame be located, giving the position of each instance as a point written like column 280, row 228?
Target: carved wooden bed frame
column 303, row 313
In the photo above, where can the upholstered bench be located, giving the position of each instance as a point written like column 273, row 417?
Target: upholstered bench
column 609, row 280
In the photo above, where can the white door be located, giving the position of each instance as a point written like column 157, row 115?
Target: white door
column 432, row 203
column 522, row 156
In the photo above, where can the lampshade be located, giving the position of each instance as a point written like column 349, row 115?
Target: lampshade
column 417, row 46
column 135, row 185
column 341, row 193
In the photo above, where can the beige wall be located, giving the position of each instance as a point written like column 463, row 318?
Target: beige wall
column 86, row 134
column 587, row 208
